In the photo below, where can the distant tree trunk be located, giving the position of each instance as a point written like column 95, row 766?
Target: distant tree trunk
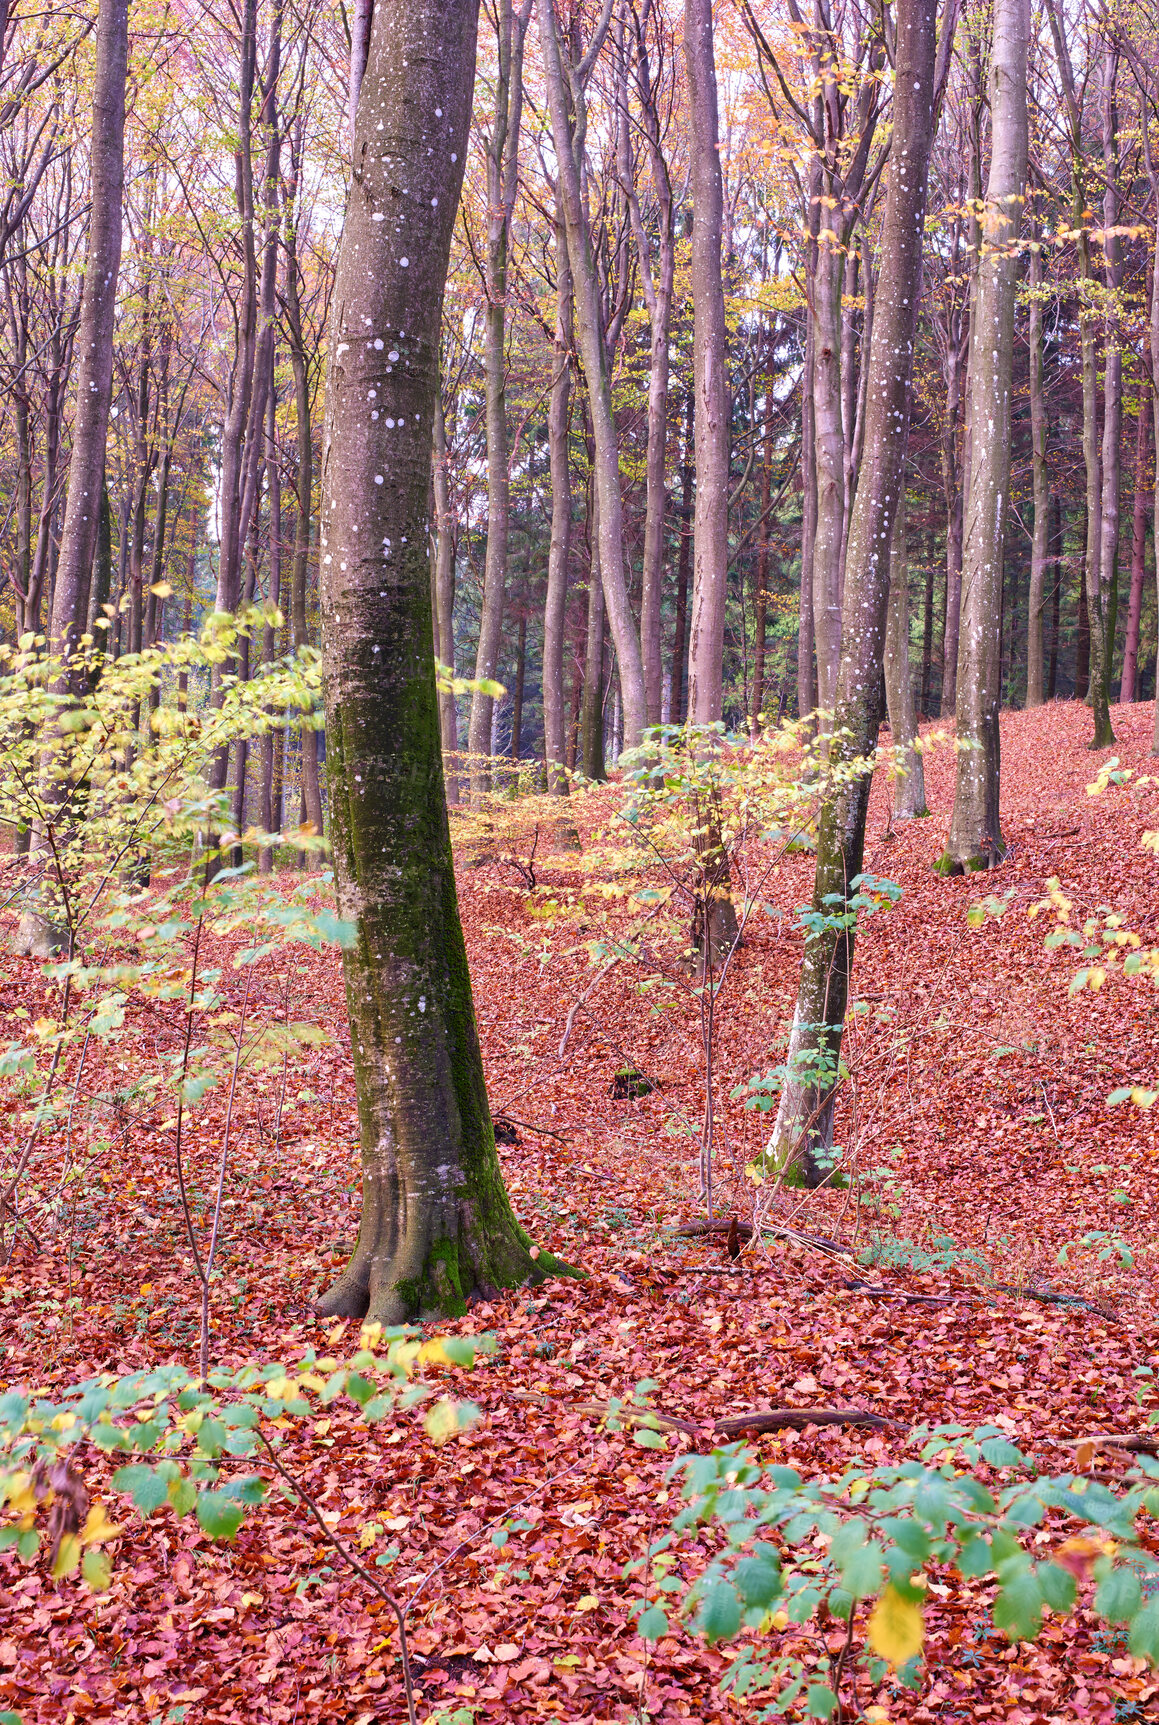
column 1040, row 480
column 1128, row 687
column 304, row 485
column 975, row 839
column 928, row 630
column 502, row 152
column 270, row 634
column 436, row 1223
column 592, row 708
column 806, row 666
column 676, row 699
column 517, row 698
column 657, row 281
column 761, row 595
column 94, row 340
column 568, row 130
column 1101, row 593
column 559, row 551
column 444, row 599
column 803, row 1134
column 1082, row 666
column 909, row 790
column 829, row 443
column 710, row 367
column 1056, row 595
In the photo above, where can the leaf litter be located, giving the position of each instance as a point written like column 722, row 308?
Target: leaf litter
column 977, row 1117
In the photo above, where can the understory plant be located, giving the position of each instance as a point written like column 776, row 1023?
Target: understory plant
column 860, row 1555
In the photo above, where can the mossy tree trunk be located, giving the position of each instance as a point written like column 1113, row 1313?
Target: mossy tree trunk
column 436, row 1223
column 803, row 1134
column 975, row 840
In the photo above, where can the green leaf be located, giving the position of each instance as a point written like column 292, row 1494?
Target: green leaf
column 97, row 1569
column 218, row 1514
column 861, row 1575
column 182, row 1495
column 999, row 1453
column 1018, row 1607
column 1058, row 1586
column 147, row 1487
column 648, row 1439
column 653, row 1623
column 1143, row 1639
column 820, row 1701
column 719, row 1614
column 1119, row 1596
column 758, row 1578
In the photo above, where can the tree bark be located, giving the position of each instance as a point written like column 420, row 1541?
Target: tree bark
column 710, row 370
column 1128, row 686
column 806, row 663
column 94, row 342
column 443, row 596
column 568, row 131
column 803, row 1134
column 1101, row 595
column 436, row 1224
column 559, row 550
column 909, row 789
column 676, row 678
column 975, row 840
column 1040, row 481
column 502, row 152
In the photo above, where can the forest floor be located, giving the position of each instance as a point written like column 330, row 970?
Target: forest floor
column 979, row 1082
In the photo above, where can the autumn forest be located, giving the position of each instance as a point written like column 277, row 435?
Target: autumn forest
column 579, row 636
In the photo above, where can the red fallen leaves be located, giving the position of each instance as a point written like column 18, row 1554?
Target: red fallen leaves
column 972, row 1059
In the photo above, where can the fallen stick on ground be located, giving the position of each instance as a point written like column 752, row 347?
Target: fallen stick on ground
column 637, row 1416
column 691, row 1230
column 779, row 1419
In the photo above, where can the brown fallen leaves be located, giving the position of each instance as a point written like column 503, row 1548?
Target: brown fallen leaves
column 979, row 1089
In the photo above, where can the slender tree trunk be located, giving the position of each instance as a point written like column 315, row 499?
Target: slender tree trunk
column 710, row 367
column 975, row 840
column 592, row 708
column 909, row 791
column 829, row 443
column 269, row 633
column 443, row 595
column 1040, row 479
column 761, row 594
column 1128, row 687
column 502, row 151
column 94, row 341
column 928, row 630
column 676, row 699
column 436, row 1222
column 803, row 1134
column 517, row 698
column 1082, row 666
column 559, row 551
column 1101, row 593
column 806, row 666
column 1056, row 596
column 568, row 140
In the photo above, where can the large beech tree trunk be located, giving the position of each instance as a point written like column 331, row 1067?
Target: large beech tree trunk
column 1101, row 593
column 436, row 1224
column 803, row 1134
column 975, row 840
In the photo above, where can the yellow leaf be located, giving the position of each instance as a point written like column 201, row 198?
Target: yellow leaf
column 97, row 1570
column 434, row 1354
column 21, row 1496
column 896, row 1627
column 161, row 589
column 589, row 1602
column 368, row 1535
column 98, row 1527
column 67, row 1557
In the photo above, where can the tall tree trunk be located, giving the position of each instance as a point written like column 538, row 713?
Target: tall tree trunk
column 1056, row 551
column 502, row 152
column 269, row 633
column 517, row 697
column 1128, row 687
column 559, row 551
column 568, row 130
column 94, row 341
column 1101, row 593
column 436, row 1222
column 806, row 664
column 443, row 597
column 928, row 630
column 592, row 707
column 829, row 443
column 676, row 683
column 710, row 368
column 761, row 594
column 803, row 1134
column 909, row 790
column 657, row 276
column 975, row 840
column 1040, row 480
